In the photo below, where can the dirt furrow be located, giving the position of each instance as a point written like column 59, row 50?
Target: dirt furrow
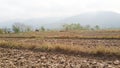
column 15, row 58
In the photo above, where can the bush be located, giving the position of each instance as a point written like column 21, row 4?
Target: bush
column 1, row 31
column 19, row 27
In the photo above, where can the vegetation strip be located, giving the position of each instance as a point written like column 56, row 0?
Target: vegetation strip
column 105, row 38
column 70, row 49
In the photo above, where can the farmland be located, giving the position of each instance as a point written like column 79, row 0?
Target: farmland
column 61, row 49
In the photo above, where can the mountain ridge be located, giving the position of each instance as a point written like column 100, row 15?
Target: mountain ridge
column 103, row 19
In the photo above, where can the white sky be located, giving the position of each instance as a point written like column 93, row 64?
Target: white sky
column 24, row 9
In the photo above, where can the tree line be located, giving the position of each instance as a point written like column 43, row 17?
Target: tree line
column 20, row 27
column 77, row 26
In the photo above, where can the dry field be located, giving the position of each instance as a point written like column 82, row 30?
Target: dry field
column 72, row 49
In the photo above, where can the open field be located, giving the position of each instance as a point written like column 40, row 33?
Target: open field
column 73, row 49
column 105, row 34
column 16, row 58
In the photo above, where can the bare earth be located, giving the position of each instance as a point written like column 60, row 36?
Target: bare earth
column 80, row 42
column 16, row 58
column 25, row 58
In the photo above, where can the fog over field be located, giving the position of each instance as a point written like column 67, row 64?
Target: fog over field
column 49, row 13
column 103, row 19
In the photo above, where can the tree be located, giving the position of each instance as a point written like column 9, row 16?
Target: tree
column 66, row 27
column 87, row 27
column 72, row 26
column 19, row 27
column 28, row 28
column 1, row 31
column 16, row 27
column 97, row 27
column 42, row 28
column 6, row 30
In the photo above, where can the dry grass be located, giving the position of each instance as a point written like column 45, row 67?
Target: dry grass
column 66, row 34
column 71, row 49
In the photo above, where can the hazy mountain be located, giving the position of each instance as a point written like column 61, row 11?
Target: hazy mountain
column 103, row 19
column 36, row 23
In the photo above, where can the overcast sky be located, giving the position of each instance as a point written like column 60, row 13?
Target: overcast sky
column 25, row 9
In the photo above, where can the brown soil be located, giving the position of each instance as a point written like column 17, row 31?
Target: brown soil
column 80, row 42
column 23, row 58
column 16, row 58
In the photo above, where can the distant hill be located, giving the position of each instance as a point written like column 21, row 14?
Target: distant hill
column 103, row 19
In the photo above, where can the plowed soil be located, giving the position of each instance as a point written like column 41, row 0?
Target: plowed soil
column 24, row 58
column 16, row 58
